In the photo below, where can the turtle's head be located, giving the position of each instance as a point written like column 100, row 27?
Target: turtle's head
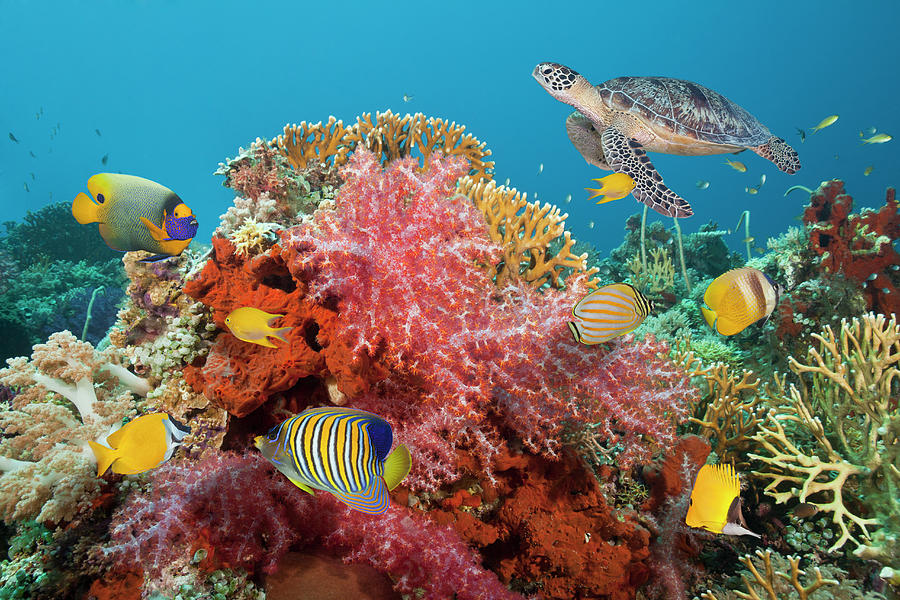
column 557, row 79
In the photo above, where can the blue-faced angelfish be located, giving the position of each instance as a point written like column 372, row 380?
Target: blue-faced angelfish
column 609, row 312
column 255, row 326
column 339, row 450
column 716, row 502
column 739, row 298
column 136, row 214
column 140, row 445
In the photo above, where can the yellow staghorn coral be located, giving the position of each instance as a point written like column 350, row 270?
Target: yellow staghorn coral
column 833, row 438
column 389, row 136
column 775, row 584
column 654, row 277
column 526, row 230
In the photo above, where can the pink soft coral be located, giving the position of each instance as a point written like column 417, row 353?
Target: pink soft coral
column 407, row 260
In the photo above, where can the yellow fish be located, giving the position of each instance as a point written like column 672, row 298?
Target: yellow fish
column 751, row 190
column 716, row 502
column 140, row 445
column 878, row 139
column 253, row 325
column 829, row 120
column 738, row 298
column 612, row 187
column 136, row 214
column 736, row 165
column 868, row 170
column 608, row 312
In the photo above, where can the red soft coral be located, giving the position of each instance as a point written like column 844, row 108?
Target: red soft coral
column 404, row 258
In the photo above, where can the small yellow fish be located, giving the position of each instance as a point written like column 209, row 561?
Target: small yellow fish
column 738, row 298
column 608, row 312
column 878, row 139
column 762, row 180
column 702, row 185
column 255, row 326
column 541, row 169
column 591, row 225
column 140, row 445
column 716, row 502
column 751, row 190
column 736, row 165
column 612, row 187
column 749, row 240
column 568, row 198
column 827, row 121
column 407, row 97
column 868, row 170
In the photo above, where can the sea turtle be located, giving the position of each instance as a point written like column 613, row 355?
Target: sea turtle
column 614, row 123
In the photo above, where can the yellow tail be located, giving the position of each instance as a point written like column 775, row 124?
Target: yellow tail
column 396, row 467
column 105, row 457
column 84, row 209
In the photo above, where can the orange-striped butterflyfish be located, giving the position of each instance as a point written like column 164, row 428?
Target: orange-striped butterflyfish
column 339, row 450
column 136, row 214
column 716, row 502
column 609, row 312
column 739, row 298
column 141, row 444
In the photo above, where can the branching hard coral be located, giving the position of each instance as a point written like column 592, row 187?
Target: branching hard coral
column 656, row 276
column 49, row 473
column 399, row 255
column 775, row 583
column 729, row 413
column 845, row 404
column 390, row 137
column 525, row 230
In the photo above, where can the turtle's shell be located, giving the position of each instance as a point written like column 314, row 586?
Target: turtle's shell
column 684, row 108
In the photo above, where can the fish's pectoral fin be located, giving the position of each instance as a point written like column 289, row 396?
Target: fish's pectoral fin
column 627, row 156
column 157, row 233
column 397, row 466
column 105, row 457
column 85, row 210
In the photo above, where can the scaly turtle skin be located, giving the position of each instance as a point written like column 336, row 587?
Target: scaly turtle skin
column 616, row 121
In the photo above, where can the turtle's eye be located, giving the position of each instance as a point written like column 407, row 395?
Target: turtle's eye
column 100, row 198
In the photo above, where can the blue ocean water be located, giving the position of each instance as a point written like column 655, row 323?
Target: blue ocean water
column 175, row 87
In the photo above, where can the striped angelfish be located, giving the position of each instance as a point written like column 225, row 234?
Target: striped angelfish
column 609, row 312
column 339, row 450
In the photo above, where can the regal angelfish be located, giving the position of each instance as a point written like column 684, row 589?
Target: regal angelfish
column 339, row 450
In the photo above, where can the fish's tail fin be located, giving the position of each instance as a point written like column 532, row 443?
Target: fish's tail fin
column 84, row 209
column 280, row 333
column 710, row 316
column 105, row 457
column 397, row 466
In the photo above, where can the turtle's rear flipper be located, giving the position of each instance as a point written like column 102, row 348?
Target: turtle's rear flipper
column 780, row 153
column 625, row 155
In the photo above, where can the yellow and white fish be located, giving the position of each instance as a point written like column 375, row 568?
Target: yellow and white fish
column 715, row 503
column 879, row 138
column 609, row 312
column 826, row 122
column 140, row 445
column 738, row 298
column 736, row 165
column 868, row 170
column 702, row 184
column 136, row 214
column 253, row 325
column 612, row 187
column 343, row 451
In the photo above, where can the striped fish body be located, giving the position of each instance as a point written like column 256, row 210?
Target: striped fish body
column 738, row 298
column 337, row 450
column 126, row 199
column 609, row 312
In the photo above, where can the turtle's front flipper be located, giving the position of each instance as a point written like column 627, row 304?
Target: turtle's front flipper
column 586, row 139
column 627, row 156
column 780, row 153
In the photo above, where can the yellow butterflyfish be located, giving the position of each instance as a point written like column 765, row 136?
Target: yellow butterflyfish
column 736, row 165
column 612, row 187
column 140, row 445
column 715, row 503
column 738, row 298
column 827, row 121
column 255, row 326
